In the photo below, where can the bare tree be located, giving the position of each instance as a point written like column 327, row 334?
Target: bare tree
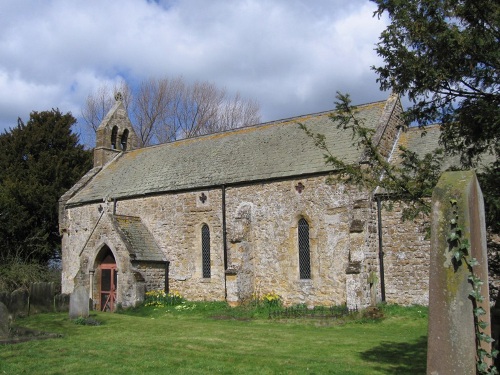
column 168, row 129
column 152, row 108
column 163, row 110
column 237, row 112
column 203, row 108
column 198, row 111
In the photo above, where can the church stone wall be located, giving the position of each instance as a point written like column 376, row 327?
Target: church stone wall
column 175, row 220
column 272, row 245
column 261, row 239
column 87, row 230
column 76, row 230
column 151, row 274
column 406, row 258
column 262, row 243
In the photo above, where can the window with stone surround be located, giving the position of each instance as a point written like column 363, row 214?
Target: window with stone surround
column 205, row 251
column 304, row 250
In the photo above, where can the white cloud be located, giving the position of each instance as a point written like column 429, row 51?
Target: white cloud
column 290, row 55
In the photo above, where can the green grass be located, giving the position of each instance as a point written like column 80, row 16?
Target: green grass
column 210, row 338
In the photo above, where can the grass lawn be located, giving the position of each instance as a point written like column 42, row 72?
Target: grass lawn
column 212, row 339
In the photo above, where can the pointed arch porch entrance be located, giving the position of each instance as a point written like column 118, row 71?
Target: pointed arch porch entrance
column 108, row 280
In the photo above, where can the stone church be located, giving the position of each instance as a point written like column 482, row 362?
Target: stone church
column 235, row 215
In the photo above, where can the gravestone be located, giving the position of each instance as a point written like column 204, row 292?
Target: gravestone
column 4, row 321
column 79, row 303
column 41, row 297
column 19, row 302
column 451, row 339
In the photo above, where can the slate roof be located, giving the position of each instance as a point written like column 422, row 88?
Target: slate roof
column 426, row 140
column 140, row 242
column 414, row 139
column 278, row 149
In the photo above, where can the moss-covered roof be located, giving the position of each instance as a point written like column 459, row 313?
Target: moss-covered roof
column 426, row 140
column 278, row 149
column 140, row 242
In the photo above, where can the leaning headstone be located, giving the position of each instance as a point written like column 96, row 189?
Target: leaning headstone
column 457, row 202
column 42, row 297
column 4, row 321
column 79, row 303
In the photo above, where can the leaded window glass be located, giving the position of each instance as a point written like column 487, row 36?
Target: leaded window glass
column 205, row 250
column 304, row 251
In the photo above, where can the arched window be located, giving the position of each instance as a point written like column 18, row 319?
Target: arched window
column 123, row 141
column 304, row 252
column 205, row 250
column 114, row 136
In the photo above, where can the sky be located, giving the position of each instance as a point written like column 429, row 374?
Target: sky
column 291, row 56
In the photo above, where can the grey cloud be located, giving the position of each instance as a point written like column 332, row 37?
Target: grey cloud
column 289, row 55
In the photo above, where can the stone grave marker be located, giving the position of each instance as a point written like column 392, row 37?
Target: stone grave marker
column 79, row 303
column 4, row 321
column 41, row 297
column 457, row 202
column 19, row 302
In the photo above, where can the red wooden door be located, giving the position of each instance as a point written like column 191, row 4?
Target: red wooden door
column 108, row 287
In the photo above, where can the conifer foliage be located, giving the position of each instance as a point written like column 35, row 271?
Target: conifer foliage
column 39, row 161
column 444, row 55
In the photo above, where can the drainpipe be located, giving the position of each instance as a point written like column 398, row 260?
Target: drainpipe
column 167, row 269
column 224, row 235
column 380, row 249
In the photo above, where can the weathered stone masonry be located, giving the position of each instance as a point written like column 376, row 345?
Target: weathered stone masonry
column 406, row 257
column 144, row 210
column 262, row 251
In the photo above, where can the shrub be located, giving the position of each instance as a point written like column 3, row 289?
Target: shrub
column 17, row 274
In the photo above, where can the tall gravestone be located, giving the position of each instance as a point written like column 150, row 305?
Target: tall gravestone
column 41, row 297
column 19, row 302
column 452, row 340
column 79, row 303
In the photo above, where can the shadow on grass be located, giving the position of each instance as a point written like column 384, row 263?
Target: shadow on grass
column 404, row 358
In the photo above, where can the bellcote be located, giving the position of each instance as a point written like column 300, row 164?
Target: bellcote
column 114, row 135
